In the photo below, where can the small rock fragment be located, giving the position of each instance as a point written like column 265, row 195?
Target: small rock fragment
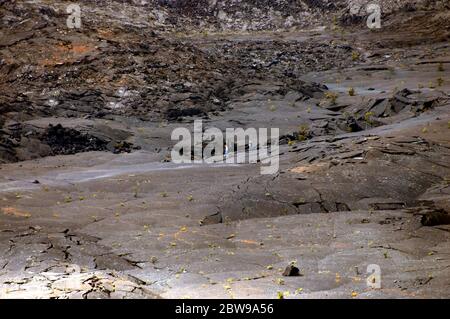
column 291, row 271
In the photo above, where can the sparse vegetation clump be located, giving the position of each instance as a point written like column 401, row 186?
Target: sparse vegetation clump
column 368, row 118
column 351, row 92
column 68, row 199
column 355, row 56
column 332, row 97
column 303, row 133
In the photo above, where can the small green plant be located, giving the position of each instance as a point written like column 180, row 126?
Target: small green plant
column 335, row 20
column 440, row 81
column 368, row 117
column 303, row 133
column 280, row 281
column 351, row 92
column 67, row 199
column 331, row 96
column 355, row 56
column 441, row 67
column 334, row 23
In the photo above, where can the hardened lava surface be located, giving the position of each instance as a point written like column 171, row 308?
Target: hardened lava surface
column 92, row 207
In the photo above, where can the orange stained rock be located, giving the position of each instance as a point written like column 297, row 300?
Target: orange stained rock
column 248, row 242
column 62, row 53
column 12, row 211
column 309, row 168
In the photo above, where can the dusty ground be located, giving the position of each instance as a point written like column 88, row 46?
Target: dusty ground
column 95, row 210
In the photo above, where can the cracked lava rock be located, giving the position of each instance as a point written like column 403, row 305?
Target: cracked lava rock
column 92, row 206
